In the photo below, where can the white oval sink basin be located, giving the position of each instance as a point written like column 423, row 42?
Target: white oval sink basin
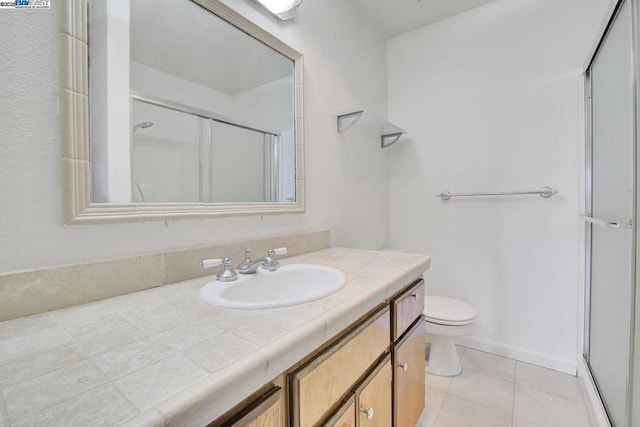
column 290, row 285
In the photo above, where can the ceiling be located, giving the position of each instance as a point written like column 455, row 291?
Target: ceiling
column 208, row 44
column 185, row 40
column 394, row 17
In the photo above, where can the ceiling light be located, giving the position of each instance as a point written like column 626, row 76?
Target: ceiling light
column 282, row 9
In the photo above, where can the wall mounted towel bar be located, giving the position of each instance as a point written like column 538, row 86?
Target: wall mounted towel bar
column 544, row 192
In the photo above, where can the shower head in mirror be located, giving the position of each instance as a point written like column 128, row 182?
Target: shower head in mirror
column 142, row 125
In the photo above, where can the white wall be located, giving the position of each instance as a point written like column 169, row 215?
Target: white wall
column 492, row 101
column 347, row 175
column 111, row 178
column 149, row 81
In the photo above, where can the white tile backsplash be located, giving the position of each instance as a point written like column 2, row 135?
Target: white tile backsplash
column 38, row 291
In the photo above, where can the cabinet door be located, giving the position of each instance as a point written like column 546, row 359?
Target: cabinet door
column 266, row 411
column 319, row 384
column 272, row 417
column 406, row 308
column 373, row 397
column 409, row 376
column 344, row 416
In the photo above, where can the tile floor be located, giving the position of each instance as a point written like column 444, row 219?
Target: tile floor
column 494, row 391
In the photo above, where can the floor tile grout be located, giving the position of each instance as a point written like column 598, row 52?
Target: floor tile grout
column 494, row 372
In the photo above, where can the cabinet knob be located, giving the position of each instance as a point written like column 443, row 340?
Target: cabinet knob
column 404, row 366
column 414, row 295
column 368, row 412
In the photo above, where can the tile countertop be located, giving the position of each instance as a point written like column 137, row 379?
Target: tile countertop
column 163, row 357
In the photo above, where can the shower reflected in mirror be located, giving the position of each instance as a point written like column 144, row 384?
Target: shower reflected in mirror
column 142, row 125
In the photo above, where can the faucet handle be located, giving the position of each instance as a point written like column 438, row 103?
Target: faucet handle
column 270, row 263
column 210, row 263
column 247, row 260
column 227, row 275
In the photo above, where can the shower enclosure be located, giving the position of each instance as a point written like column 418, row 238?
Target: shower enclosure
column 611, row 218
column 180, row 154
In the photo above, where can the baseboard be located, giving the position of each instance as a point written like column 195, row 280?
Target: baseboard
column 596, row 411
column 517, row 353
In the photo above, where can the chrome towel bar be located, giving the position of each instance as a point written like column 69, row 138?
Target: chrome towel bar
column 544, row 192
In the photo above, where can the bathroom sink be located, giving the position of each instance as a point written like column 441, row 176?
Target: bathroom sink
column 290, row 285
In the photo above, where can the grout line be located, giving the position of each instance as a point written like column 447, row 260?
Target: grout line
column 513, row 404
column 435, row 419
column 4, row 414
column 515, row 383
column 477, row 404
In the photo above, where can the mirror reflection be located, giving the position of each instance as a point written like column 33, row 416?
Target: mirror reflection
column 185, row 108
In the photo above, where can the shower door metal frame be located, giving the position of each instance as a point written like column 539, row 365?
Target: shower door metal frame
column 588, row 209
column 206, row 188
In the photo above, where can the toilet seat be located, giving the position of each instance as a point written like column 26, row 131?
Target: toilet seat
column 448, row 311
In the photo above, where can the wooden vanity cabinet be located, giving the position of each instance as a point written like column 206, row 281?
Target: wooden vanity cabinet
column 370, row 375
column 408, row 336
column 373, row 397
column 267, row 410
column 344, row 416
column 409, row 376
column 320, row 384
column 406, row 308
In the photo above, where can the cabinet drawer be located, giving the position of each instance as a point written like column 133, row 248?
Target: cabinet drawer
column 319, row 384
column 266, row 411
column 373, row 397
column 406, row 308
column 409, row 376
column 344, row 416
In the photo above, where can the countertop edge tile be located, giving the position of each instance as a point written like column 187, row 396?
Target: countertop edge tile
column 211, row 397
column 150, row 418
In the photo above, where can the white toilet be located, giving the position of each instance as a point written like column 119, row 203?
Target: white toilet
column 446, row 319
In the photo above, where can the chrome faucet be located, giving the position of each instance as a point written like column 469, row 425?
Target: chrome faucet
column 227, row 274
column 267, row 262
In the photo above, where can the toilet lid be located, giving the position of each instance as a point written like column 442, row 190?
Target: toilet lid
column 448, row 311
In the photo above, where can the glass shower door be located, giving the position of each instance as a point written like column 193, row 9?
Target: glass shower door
column 610, row 209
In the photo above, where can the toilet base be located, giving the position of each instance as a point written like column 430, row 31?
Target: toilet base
column 443, row 357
